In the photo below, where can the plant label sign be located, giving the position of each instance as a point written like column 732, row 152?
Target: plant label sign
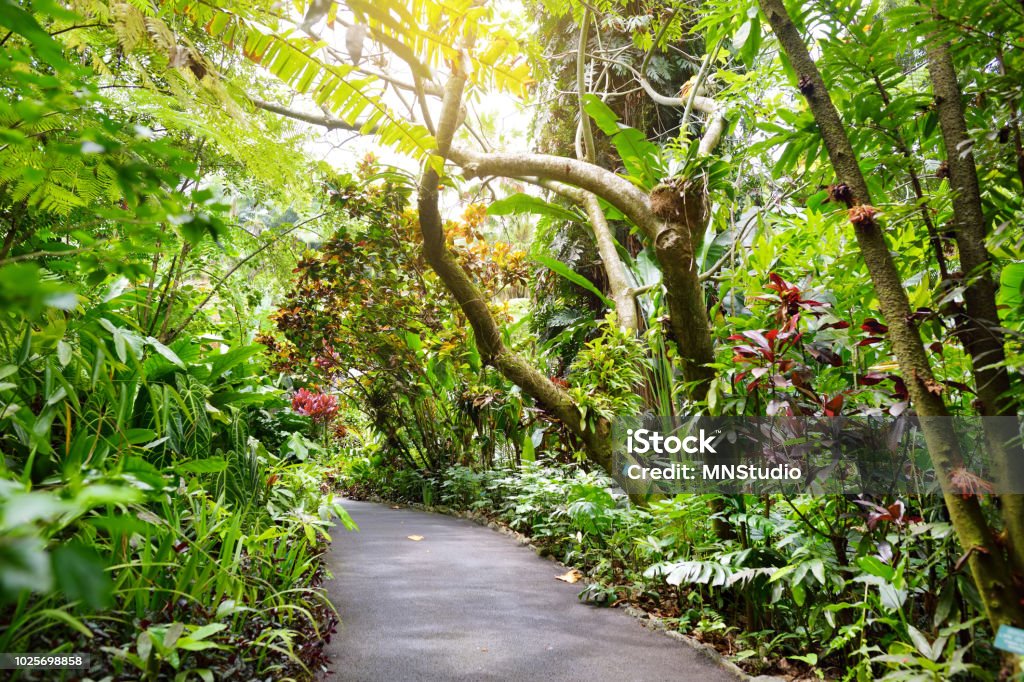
column 1010, row 639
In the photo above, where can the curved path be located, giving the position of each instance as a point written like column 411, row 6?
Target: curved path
column 468, row 603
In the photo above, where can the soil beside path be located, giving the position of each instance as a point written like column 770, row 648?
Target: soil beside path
column 468, row 603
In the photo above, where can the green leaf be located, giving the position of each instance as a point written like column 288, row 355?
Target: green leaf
column 25, row 508
column 173, row 634
column 525, row 203
column 1011, row 287
column 81, row 575
column 207, row 465
column 26, row 346
column 165, row 352
column 225, row 362
column 344, row 517
column 139, row 436
column 818, row 570
column 67, row 619
column 563, row 270
column 63, row 353
column 874, row 566
column 920, row 641
column 529, row 453
column 297, row 445
column 25, row 566
column 14, row 18
column 601, row 113
column 782, row 573
column 205, row 631
column 641, row 157
column 64, row 300
column 799, row 594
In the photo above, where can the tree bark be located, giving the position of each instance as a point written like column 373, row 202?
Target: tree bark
column 673, row 239
column 473, row 303
column 986, row 559
column 982, row 334
column 614, row 269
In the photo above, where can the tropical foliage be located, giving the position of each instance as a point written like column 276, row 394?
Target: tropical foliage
column 248, row 248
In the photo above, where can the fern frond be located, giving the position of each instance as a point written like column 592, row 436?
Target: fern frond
column 294, row 59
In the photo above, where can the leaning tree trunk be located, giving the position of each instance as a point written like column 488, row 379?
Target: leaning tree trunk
column 596, row 440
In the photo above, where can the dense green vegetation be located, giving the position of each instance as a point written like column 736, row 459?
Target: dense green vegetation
column 216, row 313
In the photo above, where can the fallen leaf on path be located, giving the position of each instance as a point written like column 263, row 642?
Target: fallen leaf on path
column 572, row 576
column 415, row 538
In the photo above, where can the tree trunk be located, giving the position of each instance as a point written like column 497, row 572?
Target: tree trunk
column 982, row 334
column 986, row 559
column 597, row 441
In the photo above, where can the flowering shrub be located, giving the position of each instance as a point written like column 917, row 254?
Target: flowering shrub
column 320, row 407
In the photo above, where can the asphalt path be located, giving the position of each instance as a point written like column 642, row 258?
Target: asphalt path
column 468, row 603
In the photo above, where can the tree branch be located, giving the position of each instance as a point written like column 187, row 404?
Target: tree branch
column 323, row 120
column 473, row 304
column 617, row 191
column 615, row 270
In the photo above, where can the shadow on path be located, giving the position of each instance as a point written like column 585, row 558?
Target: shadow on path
column 467, row 603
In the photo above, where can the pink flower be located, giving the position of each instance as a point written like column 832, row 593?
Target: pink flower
column 320, row 407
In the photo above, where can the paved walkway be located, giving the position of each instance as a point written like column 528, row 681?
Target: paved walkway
column 467, row 603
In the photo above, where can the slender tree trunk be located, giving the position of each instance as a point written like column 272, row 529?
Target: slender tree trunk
column 986, row 559
column 982, row 334
column 614, row 269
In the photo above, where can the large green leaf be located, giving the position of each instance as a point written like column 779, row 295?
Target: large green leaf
column 524, row 203
column 640, row 156
column 25, row 566
column 563, row 270
column 1011, row 287
column 81, row 575
column 24, row 24
column 206, row 465
column 225, row 362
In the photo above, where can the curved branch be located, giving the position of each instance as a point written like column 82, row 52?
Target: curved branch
column 617, row 191
column 706, row 105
